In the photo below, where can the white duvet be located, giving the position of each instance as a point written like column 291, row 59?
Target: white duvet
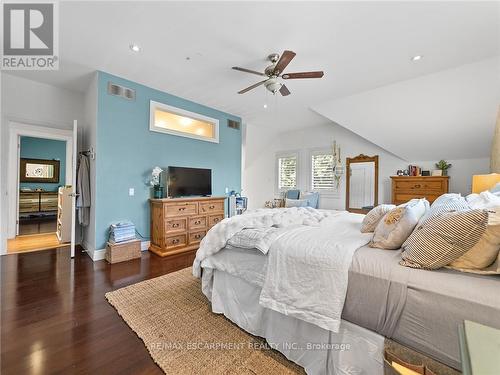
column 308, row 259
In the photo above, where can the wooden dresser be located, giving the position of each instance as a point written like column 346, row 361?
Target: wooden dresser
column 179, row 224
column 405, row 188
column 38, row 201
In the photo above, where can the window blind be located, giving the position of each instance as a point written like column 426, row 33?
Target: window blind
column 322, row 172
column 287, row 172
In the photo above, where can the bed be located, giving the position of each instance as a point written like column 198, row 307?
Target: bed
column 417, row 308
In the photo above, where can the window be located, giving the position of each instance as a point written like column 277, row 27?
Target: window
column 322, row 177
column 287, row 172
column 176, row 121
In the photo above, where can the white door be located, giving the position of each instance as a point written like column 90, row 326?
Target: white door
column 362, row 189
column 73, row 187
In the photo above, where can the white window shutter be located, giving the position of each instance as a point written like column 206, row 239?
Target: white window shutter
column 322, row 172
column 287, row 172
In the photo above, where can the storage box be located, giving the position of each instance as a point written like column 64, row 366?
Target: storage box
column 121, row 252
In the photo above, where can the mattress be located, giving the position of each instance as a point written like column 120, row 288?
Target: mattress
column 418, row 308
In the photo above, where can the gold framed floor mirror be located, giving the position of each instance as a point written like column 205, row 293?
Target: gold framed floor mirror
column 361, row 183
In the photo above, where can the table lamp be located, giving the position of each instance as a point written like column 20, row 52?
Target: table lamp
column 483, row 182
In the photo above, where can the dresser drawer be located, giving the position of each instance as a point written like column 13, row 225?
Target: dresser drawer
column 174, row 241
column 199, row 222
column 400, row 198
column 176, row 225
column 419, row 186
column 211, row 206
column 181, row 209
column 196, row 237
column 214, row 219
column 25, row 207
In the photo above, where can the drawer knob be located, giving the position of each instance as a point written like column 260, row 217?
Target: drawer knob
column 182, row 208
column 216, row 219
column 197, row 236
column 197, row 222
column 211, row 207
column 175, row 225
column 176, row 240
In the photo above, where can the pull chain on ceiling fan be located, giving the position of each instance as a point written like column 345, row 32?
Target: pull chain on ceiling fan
column 275, row 71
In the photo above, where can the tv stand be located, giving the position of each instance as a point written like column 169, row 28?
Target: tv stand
column 179, row 224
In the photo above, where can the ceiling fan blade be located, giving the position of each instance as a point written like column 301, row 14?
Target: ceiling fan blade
column 302, row 75
column 248, row 71
column 252, row 87
column 284, row 90
column 284, row 60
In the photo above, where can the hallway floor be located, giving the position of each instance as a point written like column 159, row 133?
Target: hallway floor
column 33, row 242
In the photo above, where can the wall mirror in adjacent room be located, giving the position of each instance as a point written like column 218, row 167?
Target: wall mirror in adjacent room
column 361, row 183
column 38, row 170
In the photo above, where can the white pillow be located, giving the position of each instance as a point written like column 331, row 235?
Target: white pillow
column 373, row 217
column 295, row 203
column 397, row 225
column 483, row 200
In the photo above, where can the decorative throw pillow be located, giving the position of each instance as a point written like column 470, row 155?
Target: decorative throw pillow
column 312, row 199
column 397, row 224
column 295, row 203
column 445, row 203
column 447, row 237
column 373, row 217
column 483, row 200
column 486, row 250
column 495, row 189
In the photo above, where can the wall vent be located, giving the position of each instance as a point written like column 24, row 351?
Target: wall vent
column 121, row 91
column 233, row 124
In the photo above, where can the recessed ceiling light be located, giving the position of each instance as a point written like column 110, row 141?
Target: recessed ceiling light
column 417, row 57
column 265, row 105
column 134, row 47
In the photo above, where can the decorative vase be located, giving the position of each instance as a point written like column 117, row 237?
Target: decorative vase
column 445, row 172
column 157, row 192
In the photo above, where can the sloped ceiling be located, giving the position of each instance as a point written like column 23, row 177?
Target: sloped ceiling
column 450, row 114
column 359, row 45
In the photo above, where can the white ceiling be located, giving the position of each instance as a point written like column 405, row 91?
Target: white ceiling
column 359, row 45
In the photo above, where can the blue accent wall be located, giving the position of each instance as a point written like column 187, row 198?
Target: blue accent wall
column 48, row 149
column 127, row 151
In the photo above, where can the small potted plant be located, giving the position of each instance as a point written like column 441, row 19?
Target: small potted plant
column 443, row 166
column 156, row 183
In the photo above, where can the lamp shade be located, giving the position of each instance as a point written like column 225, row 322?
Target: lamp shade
column 483, row 182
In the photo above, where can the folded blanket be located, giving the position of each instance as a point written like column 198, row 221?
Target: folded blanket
column 217, row 237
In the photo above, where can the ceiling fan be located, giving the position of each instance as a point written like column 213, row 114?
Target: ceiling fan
column 275, row 71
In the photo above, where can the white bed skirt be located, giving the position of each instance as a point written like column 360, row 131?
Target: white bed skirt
column 353, row 350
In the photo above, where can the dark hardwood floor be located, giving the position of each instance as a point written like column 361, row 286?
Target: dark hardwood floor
column 56, row 320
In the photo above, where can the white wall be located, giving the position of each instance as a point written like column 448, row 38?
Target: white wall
column 461, row 172
column 33, row 103
column 262, row 146
column 446, row 115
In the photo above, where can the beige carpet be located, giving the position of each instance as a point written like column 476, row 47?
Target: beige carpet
column 174, row 319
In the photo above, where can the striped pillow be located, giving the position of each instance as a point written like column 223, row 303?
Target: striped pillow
column 374, row 216
column 444, row 238
column 445, row 203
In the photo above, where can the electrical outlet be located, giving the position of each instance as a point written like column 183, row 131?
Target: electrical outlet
column 131, row 192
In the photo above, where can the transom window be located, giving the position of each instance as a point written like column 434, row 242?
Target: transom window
column 322, row 177
column 176, row 121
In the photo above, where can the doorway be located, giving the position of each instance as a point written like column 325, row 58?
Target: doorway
column 40, row 187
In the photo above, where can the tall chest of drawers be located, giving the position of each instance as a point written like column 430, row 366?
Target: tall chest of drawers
column 179, row 224
column 405, row 188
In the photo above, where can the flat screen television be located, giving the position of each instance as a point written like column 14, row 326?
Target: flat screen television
column 185, row 182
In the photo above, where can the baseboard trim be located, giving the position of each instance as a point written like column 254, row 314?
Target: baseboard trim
column 145, row 245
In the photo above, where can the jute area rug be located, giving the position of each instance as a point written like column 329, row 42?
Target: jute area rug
column 174, row 319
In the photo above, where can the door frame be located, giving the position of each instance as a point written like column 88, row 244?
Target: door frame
column 16, row 130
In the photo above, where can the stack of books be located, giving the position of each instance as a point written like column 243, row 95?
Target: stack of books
column 121, row 232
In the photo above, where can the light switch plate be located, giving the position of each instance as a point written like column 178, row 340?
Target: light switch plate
column 131, row 192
